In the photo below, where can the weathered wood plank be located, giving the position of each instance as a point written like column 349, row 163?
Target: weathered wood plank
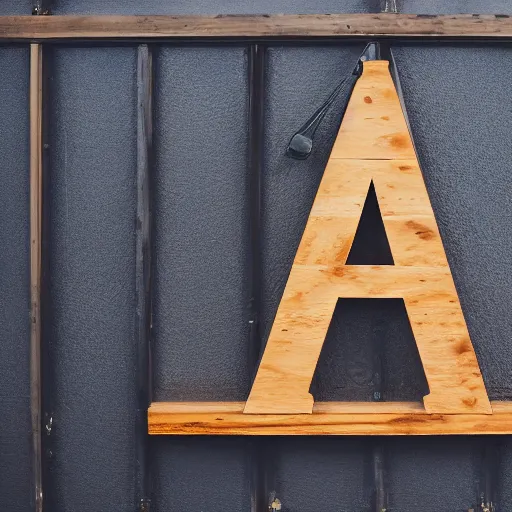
column 36, row 191
column 279, row 25
column 328, row 418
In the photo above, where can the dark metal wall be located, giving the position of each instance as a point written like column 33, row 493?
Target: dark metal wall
column 201, row 220
column 90, row 331
column 461, row 124
column 203, row 178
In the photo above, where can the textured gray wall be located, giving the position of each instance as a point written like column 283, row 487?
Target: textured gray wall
column 15, row 473
column 461, row 122
column 505, row 470
column 321, row 473
column 262, row 6
column 92, row 268
column 434, row 474
column 201, row 236
column 281, row 6
column 15, row 7
column 201, row 473
column 455, row 6
column 206, row 7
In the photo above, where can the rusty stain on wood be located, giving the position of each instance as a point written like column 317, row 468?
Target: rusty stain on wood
column 368, row 150
column 276, row 25
column 328, row 418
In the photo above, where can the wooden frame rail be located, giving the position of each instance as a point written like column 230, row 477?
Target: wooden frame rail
column 255, row 26
column 36, row 204
column 328, row 418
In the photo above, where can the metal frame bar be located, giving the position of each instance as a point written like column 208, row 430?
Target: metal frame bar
column 256, row 70
column 358, row 26
column 489, row 477
column 256, row 82
column 40, row 7
column 143, row 269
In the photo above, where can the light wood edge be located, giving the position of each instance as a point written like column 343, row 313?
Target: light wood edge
column 328, row 418
column 276, row 25
column 36, row 180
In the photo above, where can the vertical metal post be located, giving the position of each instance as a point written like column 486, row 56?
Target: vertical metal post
column 36, row 178
column 489, row 474
column 143, row 269
column 380, row 501
column 389, row 6
column 380, row 495
column 256, row 67
column 40, row 7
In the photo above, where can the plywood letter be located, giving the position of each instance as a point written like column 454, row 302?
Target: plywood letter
column 373, row 144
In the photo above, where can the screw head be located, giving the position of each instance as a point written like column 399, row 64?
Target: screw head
column 276, row 505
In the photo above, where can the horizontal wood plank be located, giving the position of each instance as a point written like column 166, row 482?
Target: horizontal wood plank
column 247, row 26
column 328, row 418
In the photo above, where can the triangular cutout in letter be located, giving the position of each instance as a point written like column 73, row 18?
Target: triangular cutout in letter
column 370, row 245
column 373, row 144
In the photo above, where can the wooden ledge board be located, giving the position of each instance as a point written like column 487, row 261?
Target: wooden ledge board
column 246, row 26
column 328, row 418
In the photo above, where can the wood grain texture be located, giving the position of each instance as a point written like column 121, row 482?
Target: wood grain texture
column 374, row 126
column 373, row 144
column 310, row 25
column 328, row 418
column 36, row 194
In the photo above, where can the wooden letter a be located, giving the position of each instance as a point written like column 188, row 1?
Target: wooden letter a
column 373, row 144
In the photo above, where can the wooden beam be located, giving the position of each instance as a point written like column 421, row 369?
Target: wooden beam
column 36, row 191
column 254, row 26
column 328, row 418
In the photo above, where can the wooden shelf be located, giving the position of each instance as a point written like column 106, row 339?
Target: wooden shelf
column 245, row 26
column 328, row 418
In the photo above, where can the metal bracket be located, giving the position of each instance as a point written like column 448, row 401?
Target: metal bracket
column 144, row 505
column 39, row 10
